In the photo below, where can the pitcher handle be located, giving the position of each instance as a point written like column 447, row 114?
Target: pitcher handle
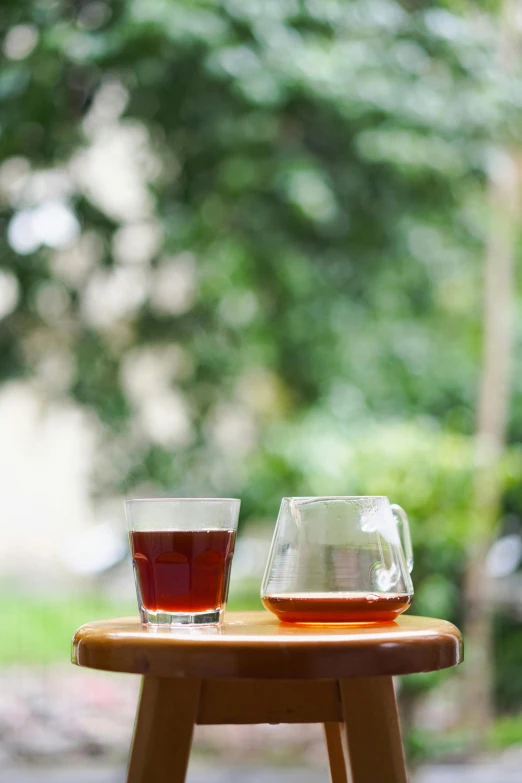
column 404, row 533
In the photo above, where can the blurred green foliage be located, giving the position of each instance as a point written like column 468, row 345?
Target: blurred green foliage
column 310, row 177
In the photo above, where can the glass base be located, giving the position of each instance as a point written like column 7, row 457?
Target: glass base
column 159, row 618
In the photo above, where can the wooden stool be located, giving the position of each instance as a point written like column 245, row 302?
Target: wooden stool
column 252, row 669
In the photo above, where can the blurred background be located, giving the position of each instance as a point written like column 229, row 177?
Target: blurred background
column 258, row 248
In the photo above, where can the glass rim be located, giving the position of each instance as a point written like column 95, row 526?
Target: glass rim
column 335, row 497
column 182, row 500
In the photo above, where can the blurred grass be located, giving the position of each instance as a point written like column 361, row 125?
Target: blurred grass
column 505, row 732
column 43, row 627
column 39, row 630
column 423, row 745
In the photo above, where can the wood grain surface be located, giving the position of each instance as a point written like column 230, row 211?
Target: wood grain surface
column 256, row 645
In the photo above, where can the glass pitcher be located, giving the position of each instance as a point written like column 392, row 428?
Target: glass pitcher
column 338, row 560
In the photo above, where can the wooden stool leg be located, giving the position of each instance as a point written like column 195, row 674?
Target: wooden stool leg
column 333, row 733
column 163, row 730
column 373, row 734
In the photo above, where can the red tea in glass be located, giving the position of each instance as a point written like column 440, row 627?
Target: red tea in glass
column 182, row 570
column 338, row 608
column 182, row 551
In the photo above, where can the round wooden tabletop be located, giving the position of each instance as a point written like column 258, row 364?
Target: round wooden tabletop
column 257, row 645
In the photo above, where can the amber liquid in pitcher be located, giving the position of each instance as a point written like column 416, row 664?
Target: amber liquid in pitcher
column 337, row 607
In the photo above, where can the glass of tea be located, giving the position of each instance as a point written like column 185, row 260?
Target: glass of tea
column 182, row 552
column 339, row 560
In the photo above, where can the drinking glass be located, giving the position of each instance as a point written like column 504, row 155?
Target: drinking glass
column 339, row 559
column 182, row 551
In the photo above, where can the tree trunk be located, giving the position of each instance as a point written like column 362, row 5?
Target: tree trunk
column 492, row 411
column 492, row 415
